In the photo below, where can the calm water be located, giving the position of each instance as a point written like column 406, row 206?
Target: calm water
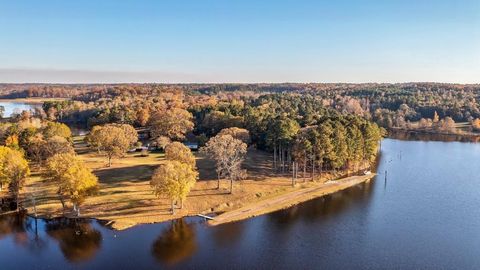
column 17, row 107
column 426, row 215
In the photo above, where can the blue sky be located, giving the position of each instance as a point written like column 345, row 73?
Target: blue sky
column 240, row 41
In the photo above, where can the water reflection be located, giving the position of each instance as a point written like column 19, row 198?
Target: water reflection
column 24, row 231
column 176, row 243
column 323, row 208
column 427, row 218
column 77, row 239
column 422, row 136
column 228, row 234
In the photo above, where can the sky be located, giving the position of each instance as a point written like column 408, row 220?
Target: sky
column 244, row 41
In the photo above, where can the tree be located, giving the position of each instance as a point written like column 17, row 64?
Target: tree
column 173, row 123
column 237, row 133
column 35, row 147
column 447, row 125
column 302, row 149
column 340, row 147
column 436, row 118
column 179, row 152
column 13, row 170
column 355, row 145
column 114, row 140
column 476, row 124
column 324, row 146
column 372, row 134
column 174, row 180
column 162, row 142
column 57, row 129
column 228, row 154
column 55, row 145
column 12, row 142
column 74, row 180
column 280, row 135
column 142, row 116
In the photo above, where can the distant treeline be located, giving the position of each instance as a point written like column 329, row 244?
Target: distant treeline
column 390, row 105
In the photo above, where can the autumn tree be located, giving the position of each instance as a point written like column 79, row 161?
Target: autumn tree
column 447, row 125
column 55, row 145
column 173, row 123
column 174, row 180
column 74, row 180
column 57, row 129
column 14, row 171
column 143, row 115
column 177, row 151
column 237, row 133
column 228, row 154
column 436, row 118
column 162, row 142
column 476, row 124
column 114, row 140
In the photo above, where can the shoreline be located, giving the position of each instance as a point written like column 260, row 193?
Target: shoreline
column 267, row 205
column 435, row 132
column 288, row 200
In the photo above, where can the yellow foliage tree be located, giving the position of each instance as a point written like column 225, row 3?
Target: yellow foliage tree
column 12, row 142
column 179, row 152
column 73, row 178
column 173, row 180
column 476, row 124
column 14, row 170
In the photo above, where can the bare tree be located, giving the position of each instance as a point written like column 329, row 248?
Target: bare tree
column 228, row 154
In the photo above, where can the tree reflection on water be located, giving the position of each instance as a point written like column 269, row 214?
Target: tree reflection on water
column 23, row 231
column 323, row 208
column 77, row 239
column 228, row 234
column 176, row 243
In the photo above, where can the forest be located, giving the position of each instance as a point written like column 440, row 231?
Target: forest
column 389, row 105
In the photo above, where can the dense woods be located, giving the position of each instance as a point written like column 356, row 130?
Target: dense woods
column 390, row 105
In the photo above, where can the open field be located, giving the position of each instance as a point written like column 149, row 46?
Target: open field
column 125, row 197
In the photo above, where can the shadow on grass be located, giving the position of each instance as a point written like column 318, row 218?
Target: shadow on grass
column 137, row 173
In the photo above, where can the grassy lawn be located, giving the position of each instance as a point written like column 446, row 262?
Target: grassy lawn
column 125, row 197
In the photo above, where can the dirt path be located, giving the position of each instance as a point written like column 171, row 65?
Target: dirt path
column 289, row 199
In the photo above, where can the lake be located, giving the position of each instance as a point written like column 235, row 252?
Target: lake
column 424, row 215
column 17, row 107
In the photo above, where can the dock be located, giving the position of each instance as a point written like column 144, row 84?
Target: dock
column 205, row 217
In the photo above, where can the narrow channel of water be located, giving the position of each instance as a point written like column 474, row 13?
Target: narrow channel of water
column 425, row 215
